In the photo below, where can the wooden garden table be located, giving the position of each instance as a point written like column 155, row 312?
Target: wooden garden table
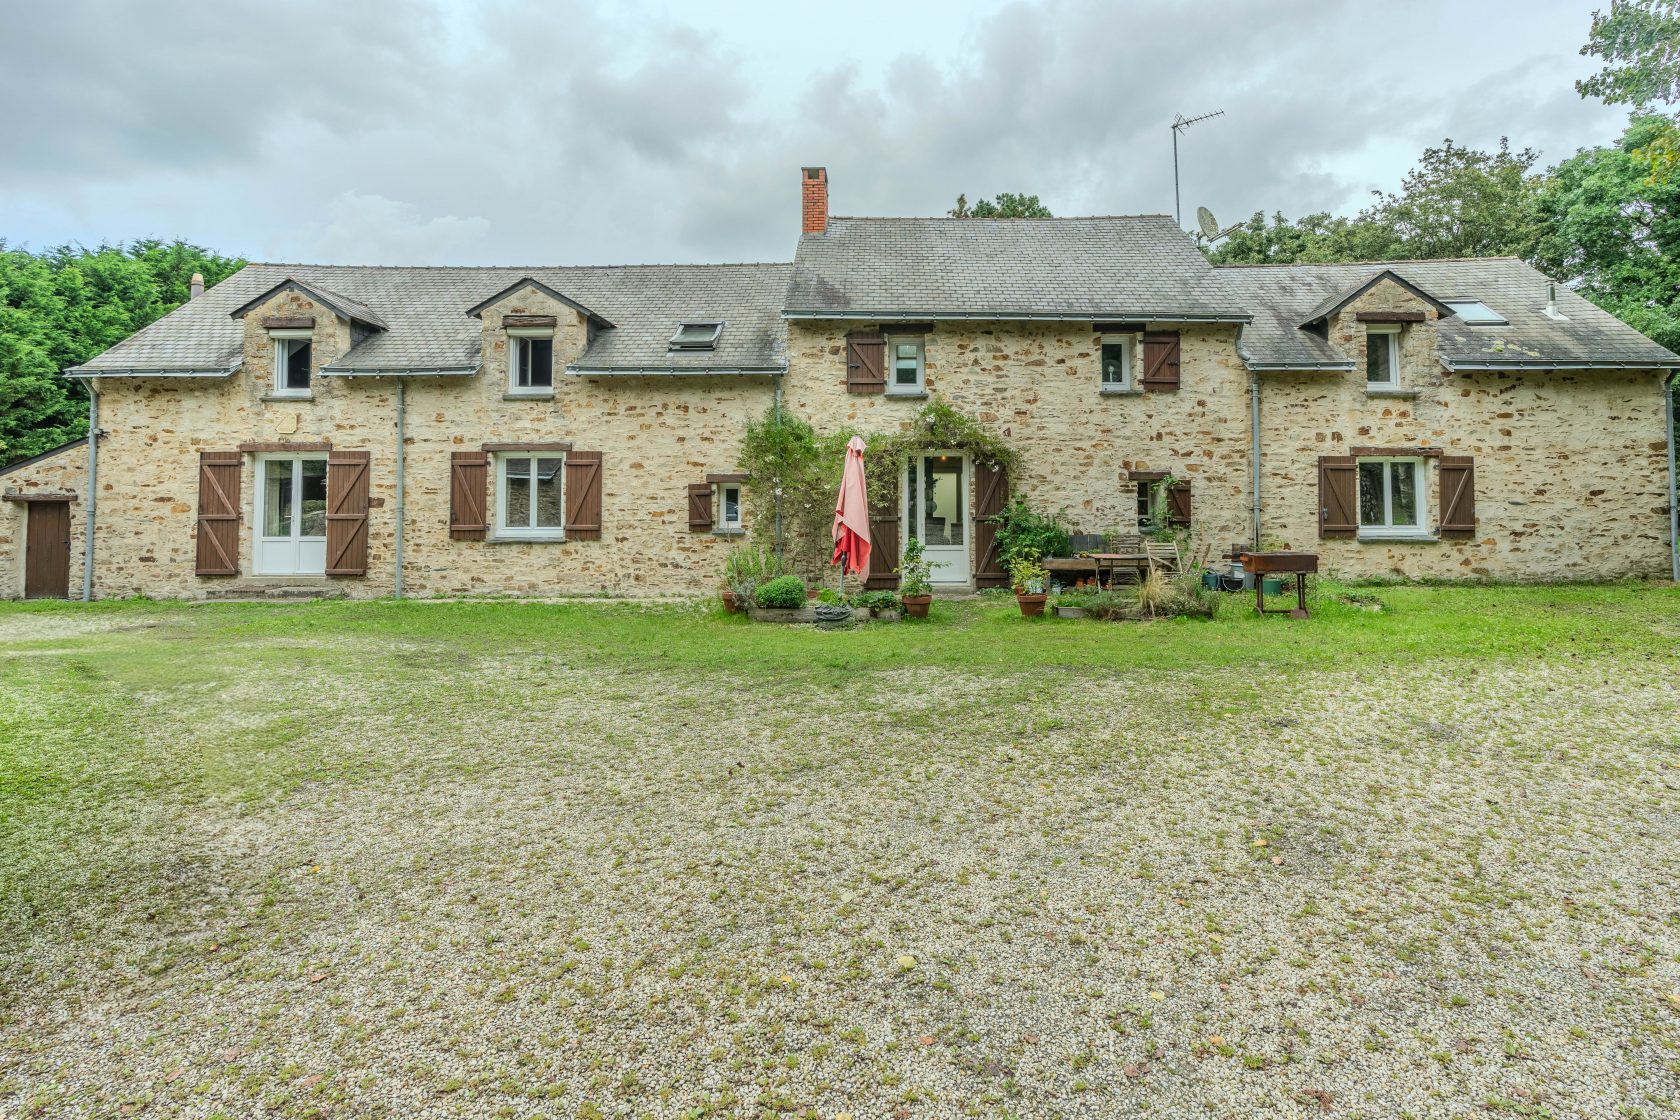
column 1262, row 564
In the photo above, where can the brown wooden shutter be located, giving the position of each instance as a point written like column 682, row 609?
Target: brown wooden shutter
column 218, row 513
column 583, row 495
column 1458, row 495
column 883, row 535
column 699, row 507
column 1178, row 504
column 1338, row 496
column 866, row 363
column 991, row 494
column 1160, row 360
column 347, row 513
column 469, row 486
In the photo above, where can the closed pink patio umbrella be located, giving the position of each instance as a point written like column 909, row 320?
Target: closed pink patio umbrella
column 851, row 516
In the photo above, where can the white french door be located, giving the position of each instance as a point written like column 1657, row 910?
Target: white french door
column 936, row 512
column 291, row 515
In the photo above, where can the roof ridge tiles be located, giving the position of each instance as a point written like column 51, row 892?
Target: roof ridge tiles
column 1361, row 264
column 513, row 267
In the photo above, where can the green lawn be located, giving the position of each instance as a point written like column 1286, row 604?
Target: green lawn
column 602, row 859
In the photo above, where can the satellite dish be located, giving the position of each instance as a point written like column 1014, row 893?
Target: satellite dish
column 1209, row 224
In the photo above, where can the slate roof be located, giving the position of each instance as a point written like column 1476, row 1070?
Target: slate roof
column 1281, row 296
column 425, row 312
column 354, row 310
column 1134, row 267
column 1131, row 268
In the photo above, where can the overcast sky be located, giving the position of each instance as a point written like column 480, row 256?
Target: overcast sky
column 557, row 132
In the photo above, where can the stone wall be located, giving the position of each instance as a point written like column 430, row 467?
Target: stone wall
column 63, row 471
column 1038, row 386
column 1570, row 467
column 656, row 435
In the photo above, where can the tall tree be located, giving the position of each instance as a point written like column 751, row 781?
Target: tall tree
column 60, row 307
column 1006, row 205
column 1614, row 235
column 1457, row 202
column 1639, row 41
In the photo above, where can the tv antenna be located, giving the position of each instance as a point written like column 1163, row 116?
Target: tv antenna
column 1179, row 124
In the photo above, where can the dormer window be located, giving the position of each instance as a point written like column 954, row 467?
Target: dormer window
column 696, row 334
column 531, row 362
column 292, row 360
column 1475, row 313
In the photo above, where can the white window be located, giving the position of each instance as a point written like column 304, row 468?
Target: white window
column 292, row 359
column 1118, row 351
column 906, row 362
column 1391, row 497
column 729, row 507
column 1475, row 313
column 529, row 501
column 531, row 362
column 1382, row 357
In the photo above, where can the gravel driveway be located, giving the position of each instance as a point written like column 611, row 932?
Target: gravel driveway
column 519, row 886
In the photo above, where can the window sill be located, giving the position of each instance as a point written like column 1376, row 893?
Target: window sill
column 906, row 394
column 526, row 538
column 288, row 396
column 528, row 395
column 1402, row 394
column 1418, row 537
column 1121, row 391
column 729, row 532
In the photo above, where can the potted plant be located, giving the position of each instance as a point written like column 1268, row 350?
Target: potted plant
column 1029, row 577
column 915, row 580
column 745, row 568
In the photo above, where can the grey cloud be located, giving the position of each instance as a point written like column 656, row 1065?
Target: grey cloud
column 525, row 132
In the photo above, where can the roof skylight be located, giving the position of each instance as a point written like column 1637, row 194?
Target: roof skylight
column 1475, row 313
column 696, row 334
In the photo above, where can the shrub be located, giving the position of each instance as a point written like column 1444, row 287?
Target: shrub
column 783, row 592
column 876, row 601
column 748, row 566
column 1022, row 530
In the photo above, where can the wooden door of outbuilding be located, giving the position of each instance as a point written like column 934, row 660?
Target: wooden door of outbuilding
column 46, row 551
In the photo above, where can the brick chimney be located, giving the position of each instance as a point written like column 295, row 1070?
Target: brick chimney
column 814, row 199
column 197, row 284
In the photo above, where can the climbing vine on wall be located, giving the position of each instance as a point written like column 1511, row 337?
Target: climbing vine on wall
column 794, row 470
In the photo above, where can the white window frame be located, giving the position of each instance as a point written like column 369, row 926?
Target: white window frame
column 507, row 532
column 516, row 336
column 282, row 362
column 1420, row 485
column 894, row 389
column 1387, row 334
column 1128, row 362
column 724, row 524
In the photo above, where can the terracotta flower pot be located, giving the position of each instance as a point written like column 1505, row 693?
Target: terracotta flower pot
column 916, row 606
column 1032, row 606
column 730, row 605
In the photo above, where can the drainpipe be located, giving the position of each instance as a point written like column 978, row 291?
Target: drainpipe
column 1254, row 405
column 776, row 405
column 1673, row 508
column 402, row 427
column 93, row 487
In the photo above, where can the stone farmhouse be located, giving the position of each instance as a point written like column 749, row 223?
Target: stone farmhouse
column 313, row 429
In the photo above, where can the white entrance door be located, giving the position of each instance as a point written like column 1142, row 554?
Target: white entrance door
column 936, row 500
column 291, row 515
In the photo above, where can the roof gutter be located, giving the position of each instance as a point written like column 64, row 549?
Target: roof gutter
column 673, row 371
column 1540, row 363
column 400, row 371
column 1259, row 367
column 1024, row 316
column 86, row 375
